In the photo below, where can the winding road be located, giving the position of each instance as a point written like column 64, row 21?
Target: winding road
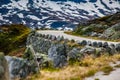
column 76, row 38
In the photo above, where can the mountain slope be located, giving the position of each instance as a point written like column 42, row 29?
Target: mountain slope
column 107, row 27
column 54, row 13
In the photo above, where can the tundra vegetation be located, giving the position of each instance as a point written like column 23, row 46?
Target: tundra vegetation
column 13, row 38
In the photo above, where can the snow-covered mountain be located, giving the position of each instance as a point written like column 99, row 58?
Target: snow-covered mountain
column 54, row 13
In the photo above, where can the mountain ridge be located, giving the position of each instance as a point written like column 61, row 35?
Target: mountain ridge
column 54, row 13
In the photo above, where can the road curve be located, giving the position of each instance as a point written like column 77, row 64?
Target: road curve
column 76, row 38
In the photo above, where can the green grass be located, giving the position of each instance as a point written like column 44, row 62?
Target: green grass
column 91, row 73
column 97, row 79
column 13, row 37
column 107, row 69
column 76, row 78
column 117, row 66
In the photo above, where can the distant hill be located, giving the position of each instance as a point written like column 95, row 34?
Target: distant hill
column 107, row 27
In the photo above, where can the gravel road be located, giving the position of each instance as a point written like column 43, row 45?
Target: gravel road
column 76, row 38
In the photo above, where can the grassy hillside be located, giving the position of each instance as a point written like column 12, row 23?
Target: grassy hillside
column 13, row 37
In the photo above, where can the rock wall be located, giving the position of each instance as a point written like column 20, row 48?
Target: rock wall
column 56, row 49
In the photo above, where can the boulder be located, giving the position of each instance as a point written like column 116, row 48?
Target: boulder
column 113, row 32
column 83, row 43
column 110, row 50
column 43, row 60
column 20, row 68
column 117, row 47
column 105, row 44
column 4, row 70
column 89, row 43
column 94, row 44
column 58, row 55
column 74, row 54
column 94, row 34
column 88, row 50
column 100, row 44
column 92, row 50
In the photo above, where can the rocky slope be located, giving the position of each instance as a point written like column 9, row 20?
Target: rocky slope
column 107, row 27
column 54, row 13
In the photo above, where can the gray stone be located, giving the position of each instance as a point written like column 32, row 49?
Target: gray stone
column 100, row 44
column 118, row 47
column 112, row 45
column 94, row 34
column 74, row 54
column 105, row 44
column 110, row 50
column 20, row 68
column 94, row 44
column 53, row 38
column 88, row 50
column 83, row 43
column 113, row 32
column 57, row 53
column 89, row 43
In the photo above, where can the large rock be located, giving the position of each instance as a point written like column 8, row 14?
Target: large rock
column 83, row 43
column 100, row 44
column 43, row 60
column 57, row 53
column 105, row 44
column 118, row 47
column 74, row 54
column 88, row 50
column 20, row 68
column 112, row 32
column 92, row 50
column 94, row 44
column 4, row 71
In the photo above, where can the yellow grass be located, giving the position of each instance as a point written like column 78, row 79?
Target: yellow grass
column 87, row 67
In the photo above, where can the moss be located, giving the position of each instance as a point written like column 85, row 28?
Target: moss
column 117, row 66
column 107, row 69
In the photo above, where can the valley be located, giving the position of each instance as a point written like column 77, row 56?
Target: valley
column 59, row 39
